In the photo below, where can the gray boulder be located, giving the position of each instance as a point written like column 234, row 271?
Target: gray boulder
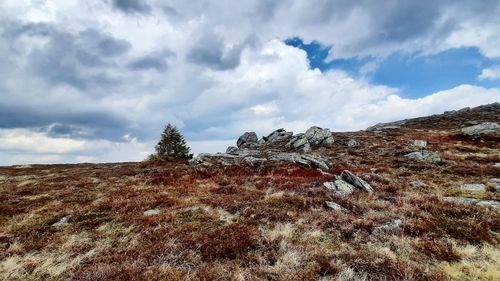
column 314, row 136
column 302, row 159
column 356, row 181
column 232, row 150
column 278, row 135
column 247, row 138
column 482, row 129
column 339, row 187
column 425, row 156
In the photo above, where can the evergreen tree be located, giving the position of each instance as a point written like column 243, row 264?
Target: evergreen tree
column 172, row 144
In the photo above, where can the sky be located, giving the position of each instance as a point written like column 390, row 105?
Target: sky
column 97, row 80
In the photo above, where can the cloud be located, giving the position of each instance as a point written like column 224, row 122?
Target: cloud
column 78, row 76
column 132, row 6
column 211, row 51
column 490, row 73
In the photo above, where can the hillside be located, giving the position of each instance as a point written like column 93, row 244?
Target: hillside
column 417, row 199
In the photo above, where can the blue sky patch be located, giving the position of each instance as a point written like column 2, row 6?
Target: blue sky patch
column 414, row 75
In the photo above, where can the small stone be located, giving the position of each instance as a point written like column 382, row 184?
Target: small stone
column 420, row 143
column 417, row 184
column 351, row 142
column 116, row 167
column 497, row 165
column 335, row 206
column 61, row 222
column 392, row 225
column 473, row 187
column 152, row 212
column 462, row 200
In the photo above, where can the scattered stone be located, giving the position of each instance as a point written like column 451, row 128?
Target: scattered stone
column 356, row 181
column 482, row 129
column 329, row 185
column 116, row 167
column 302, row 159
column 22, row 166
column 473, row 187
column 418, row 184
column 491, row 204
column 495, row 183
column 351, row 142
column 231, row 150
column 425, row 156
column 61, row 222
column 247, row 138
column 420, row 143
column 152, row 212
column 497, row 165
column 335, row 206
column 278, row 135
column 462, row 200
column 391, row 225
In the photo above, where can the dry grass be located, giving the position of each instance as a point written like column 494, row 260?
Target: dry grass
column 260, row 221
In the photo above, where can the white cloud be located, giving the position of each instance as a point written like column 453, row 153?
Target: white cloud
column 247, row 79
column 491, row 73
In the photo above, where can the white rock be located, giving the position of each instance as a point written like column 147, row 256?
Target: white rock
column 152, row 212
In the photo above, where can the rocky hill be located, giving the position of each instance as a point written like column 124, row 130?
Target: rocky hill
column 417, row 199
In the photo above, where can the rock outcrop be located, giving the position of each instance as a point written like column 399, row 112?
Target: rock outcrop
column 313, row 137
column 247, row 138
column 482, row 129
column 278, row 135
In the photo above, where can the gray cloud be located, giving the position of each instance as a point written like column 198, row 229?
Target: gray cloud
column 66, row 57
column 156, row 61
column 132, row 6
column 210, row 51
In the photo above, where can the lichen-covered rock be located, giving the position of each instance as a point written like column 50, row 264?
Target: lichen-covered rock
column 247, row 138
column 425, row 156
column 417, row 184
column 356, row 181
column 314, row 136
column 391, row 225
column 152, row 212
column 482, row 129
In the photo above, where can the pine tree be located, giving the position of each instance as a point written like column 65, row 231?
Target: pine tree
column 172, row 144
